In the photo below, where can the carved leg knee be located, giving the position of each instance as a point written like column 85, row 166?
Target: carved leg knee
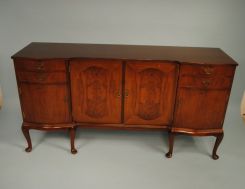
column 171, row 144
column 216, row 145
column 28, row 138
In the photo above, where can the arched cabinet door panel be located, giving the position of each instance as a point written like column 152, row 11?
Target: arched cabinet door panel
column 96, row 88
column 150, row 88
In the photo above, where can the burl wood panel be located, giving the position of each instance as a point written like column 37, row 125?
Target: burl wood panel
column 96, row 87
column 44, row 103
column 150, row 88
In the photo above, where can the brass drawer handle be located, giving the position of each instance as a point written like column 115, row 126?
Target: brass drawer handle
column 118, row 94
column 208, row 70
column 40, row 66
column 206, row 83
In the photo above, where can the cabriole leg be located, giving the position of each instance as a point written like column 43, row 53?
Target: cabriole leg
column 170, row 144
column 72, row 139
column 219, row 138
column 26, row 133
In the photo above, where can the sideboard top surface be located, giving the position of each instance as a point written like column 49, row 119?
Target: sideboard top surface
column 198, row 55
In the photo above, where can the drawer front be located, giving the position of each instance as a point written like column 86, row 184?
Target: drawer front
column 41, row 77
column 40, row 66
column 207, row 70
column 205, row 82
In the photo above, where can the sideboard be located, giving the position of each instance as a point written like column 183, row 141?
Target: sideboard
column 181, row 90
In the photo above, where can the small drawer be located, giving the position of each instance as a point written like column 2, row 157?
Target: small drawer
column 40, row 66
column 207, row 70
column 42, row 77
column 205, row 82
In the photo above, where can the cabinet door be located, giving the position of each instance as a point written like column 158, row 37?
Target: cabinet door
column 150, row 88
column 45, row 103
column 96, row 91
column 200, row 108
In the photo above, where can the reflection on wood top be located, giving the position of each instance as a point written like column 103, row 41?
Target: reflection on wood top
column 199, row 55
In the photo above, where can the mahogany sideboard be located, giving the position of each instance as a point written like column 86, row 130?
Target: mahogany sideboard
column 181, row 90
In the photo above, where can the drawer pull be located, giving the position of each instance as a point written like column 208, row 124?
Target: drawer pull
column 40, row 67
column 126, row 93
column 208, row 70
column 206, row 83
column 41, row 78
column 118, row 94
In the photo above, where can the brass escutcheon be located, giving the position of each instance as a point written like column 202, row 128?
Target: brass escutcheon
column 206, row 83
column 208, row 70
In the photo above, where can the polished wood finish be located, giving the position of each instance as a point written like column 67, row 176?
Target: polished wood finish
column 44, row 103
column 219, row 138
column 27, row 126
column 43, row 91
column 182, row 90
column 26, row 133
column 150, row 89
column 170, row 144
column 207, row 96
column 205, row 82
column 42, row 77
column 207, row 70
column 40, row 65
column 201, row 102
column 187, row 55
column 205, row 104
column 72, row 138
column 96, row 90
